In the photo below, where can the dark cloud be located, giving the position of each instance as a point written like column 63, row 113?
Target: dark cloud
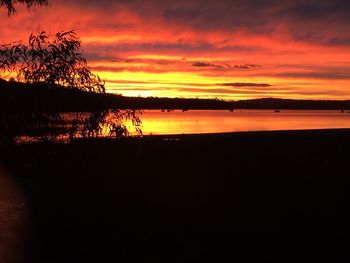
column 341, row 41
column 315, row 75
column 307, row 20
column 247, row 66
column 179, row 48
column 205, row 65
column 224, row 65
column 239, row 84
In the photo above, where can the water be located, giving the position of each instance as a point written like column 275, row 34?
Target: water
column 219, row 121
column 155, row 122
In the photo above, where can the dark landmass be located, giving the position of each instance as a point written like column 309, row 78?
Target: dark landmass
column 262, row 196
column 16, row 96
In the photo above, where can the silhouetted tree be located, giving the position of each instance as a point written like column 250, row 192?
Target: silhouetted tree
column 10, row 4
column 52, row 60
column 111, row 122
column 57, row 61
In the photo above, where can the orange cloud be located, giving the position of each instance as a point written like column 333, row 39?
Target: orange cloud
column 187, row 48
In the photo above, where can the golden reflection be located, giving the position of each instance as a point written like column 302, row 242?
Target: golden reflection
column 193, row 122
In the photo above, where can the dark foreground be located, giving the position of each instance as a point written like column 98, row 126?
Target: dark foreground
column 272, row 196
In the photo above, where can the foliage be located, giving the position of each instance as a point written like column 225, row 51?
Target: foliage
column 10, row 4
column 57, row 62
column 106, row 122
column 117, row 126
column 52, row 60
column 43, row 126
column 17, row 127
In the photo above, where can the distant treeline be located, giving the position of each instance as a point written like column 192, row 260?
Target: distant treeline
column 270, row 103
column 16, row 96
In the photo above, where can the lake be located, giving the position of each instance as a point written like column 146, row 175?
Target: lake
column 220, row 121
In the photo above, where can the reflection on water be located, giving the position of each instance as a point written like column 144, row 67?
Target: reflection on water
column 217, row 121
column 156, row 122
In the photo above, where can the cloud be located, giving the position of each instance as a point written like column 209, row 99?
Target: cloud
column 238, row 84
column 247, row 66
column 303, row 46
column 315, row 75
column 206, row 65
column 224, row 66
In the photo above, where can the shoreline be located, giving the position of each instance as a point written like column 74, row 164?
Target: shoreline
column 201, row 136
column 252, row 190
column 220, row 136
column 334, row 131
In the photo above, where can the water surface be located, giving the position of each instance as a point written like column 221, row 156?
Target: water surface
column 218, row 121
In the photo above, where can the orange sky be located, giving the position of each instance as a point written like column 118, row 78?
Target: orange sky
column 201, row 48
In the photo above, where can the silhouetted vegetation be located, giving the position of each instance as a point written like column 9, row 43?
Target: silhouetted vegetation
column 51, row 65
column 37, row 97
column 215, row 104
column 270, row 103
column 11, row 4
column 50, row 60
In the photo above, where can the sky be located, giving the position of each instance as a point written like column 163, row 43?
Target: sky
column 227, row 49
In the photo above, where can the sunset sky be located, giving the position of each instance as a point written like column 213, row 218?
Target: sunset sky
column 230, row 49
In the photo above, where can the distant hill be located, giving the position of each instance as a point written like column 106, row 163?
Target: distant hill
column 16, row 96
column 271, row 103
